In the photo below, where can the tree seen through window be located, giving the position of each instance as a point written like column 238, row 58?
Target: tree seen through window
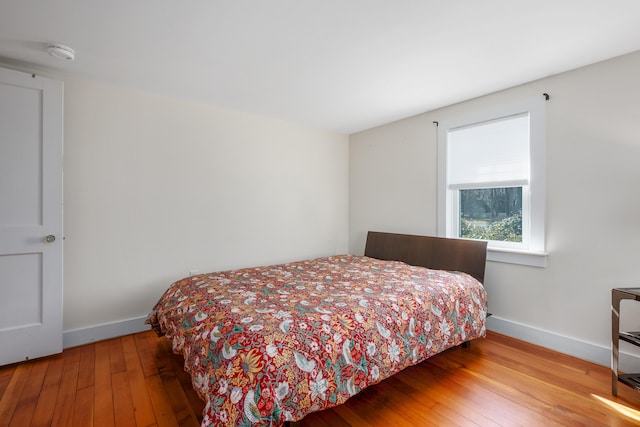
column 491, row 214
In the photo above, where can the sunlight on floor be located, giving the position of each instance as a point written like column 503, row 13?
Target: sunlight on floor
column 620, row 408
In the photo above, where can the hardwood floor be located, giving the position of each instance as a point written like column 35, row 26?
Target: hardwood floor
column 136, row 381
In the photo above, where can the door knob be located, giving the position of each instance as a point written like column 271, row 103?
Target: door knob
column 50, row 238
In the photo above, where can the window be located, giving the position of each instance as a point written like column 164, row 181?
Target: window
column 491, row 180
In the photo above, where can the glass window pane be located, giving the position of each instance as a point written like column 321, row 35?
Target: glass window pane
column 491, row 214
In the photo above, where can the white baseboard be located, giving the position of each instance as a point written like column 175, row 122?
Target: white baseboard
column 105, row 331
column 571, row 346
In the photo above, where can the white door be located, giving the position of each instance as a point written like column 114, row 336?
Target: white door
column 30, row 216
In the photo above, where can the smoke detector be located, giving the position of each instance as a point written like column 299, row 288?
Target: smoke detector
column 61, row 51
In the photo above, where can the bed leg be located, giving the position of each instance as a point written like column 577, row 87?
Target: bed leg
column 292, row 424
column 466, row 344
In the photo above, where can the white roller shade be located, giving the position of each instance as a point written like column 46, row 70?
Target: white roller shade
column 489, row 153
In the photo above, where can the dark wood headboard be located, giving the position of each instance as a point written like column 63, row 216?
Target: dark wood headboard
column 439, row 253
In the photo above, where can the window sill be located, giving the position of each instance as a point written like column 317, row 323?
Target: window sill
column 511, row 256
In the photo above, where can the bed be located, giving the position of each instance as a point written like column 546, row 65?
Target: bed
column 268, row 345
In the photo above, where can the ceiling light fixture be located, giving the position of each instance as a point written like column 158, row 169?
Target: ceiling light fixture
column 61, row 51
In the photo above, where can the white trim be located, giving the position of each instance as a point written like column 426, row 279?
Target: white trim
column 598, row 354
column 537, row 179
column 533, row 214
column 514, row 256
column 76, row 337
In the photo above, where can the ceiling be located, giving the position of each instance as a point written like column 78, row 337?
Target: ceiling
column 340, row 65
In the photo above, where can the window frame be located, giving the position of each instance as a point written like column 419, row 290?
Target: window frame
column 533, row 253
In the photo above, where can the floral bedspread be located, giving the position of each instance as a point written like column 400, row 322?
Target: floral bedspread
column 270, row 344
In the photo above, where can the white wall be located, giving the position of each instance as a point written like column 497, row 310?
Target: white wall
column 593, row 205
column 155, row 187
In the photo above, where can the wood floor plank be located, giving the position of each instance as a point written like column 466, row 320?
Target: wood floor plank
column 48, row 397
column 63, row 413
column 572, row 372
column 161, row 402
column 83, row 408
column 378, row 406
column 527, row 405
column 169, row 374
column 192, row 396
column 13, row 393
column 332, row 419
column 434, row 410
column 147, row 344
column 87, row 368
column 103, row 397
column 567, row 400
column 545, row 396
column 142, row 406
column 442, row 386
column 5, row 376
column 346, row 413
column 177, row 366
column 442, row 391
column 177, row 362
column 29, row 397
column 122, row 401
column 116, row 356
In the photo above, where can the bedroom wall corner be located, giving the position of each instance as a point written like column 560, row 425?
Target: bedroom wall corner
column 387, row 165
column 592, row 227
column 155, row 187
column 596, row 353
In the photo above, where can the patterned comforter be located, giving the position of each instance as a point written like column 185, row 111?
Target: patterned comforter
column 270, row 344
